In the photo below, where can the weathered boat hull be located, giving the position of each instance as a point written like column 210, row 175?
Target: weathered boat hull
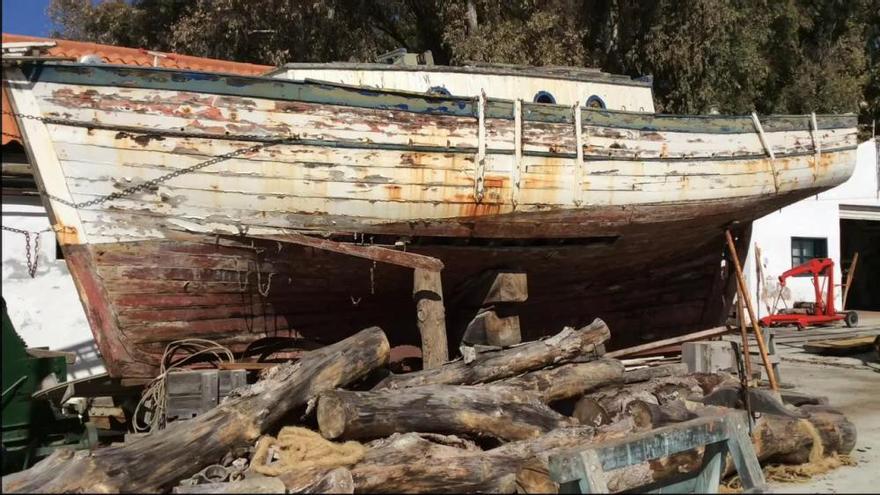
column 612, row 215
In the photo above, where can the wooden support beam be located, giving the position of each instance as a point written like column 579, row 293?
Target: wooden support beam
column 744, row 334
column 702, row 334
column 747, row 301
column 431, row 317
column 370, row 252
column 427, row 286
column 849, row 279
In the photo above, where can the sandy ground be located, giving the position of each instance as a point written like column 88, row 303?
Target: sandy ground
column 852, row 384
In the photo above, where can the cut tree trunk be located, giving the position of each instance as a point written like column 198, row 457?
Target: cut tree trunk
column 612, row 400
column 502, row 412
column 159, row 460
column 776, row 438
column 413, row 463
column 496, row 365
column 568, row 380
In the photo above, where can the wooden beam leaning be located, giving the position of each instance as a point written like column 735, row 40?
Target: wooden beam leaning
column 747, row 300
column 702, row 334
column 849, row 279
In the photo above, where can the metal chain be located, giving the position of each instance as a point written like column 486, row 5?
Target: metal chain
column 150, row 184
column 32, row 262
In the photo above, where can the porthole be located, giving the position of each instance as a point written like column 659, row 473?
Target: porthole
column 438, row 91
column 544, row 97
column 595, row 102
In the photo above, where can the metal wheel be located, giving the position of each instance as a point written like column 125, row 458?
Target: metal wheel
column 852, row 319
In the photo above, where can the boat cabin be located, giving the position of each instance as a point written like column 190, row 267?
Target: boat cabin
column 553, row 85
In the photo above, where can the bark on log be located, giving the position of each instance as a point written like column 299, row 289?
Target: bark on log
column 614, row 399
column 338, row 480
column 568, row 380
column 502, row 412
column 647, row 415
column 412, row 462
column 649, row 373
column 790, row 441
column 431, row 317
column 255, row 484
column 505, row 363
column 776, row 438
column 588, row 412
column 159, row 460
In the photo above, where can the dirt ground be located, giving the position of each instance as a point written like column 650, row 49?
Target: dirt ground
column 852, row 384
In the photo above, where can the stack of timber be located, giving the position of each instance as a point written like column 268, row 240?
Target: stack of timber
column 489, row 425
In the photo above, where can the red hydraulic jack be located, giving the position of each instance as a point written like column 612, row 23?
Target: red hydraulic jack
column 820, row 313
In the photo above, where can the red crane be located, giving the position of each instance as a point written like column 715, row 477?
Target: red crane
column 822, row 311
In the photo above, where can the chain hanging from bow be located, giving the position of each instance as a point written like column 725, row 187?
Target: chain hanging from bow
column 32, row 260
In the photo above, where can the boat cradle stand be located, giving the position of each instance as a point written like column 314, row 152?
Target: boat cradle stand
column 583, row 469
column 427, row 286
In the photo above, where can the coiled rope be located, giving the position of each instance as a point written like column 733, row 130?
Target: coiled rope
column 154, row 398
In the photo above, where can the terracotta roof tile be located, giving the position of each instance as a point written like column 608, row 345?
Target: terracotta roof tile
column 125, row 56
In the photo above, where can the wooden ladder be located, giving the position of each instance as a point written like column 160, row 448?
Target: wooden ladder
column 583, row 469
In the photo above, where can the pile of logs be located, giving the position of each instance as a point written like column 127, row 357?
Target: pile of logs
column 488, row 425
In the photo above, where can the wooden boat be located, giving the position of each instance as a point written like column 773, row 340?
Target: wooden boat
column 243, row 208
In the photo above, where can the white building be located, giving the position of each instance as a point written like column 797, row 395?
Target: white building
column 835, row 224
column 45, row 309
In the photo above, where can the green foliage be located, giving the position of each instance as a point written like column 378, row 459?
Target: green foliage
column 736, row 56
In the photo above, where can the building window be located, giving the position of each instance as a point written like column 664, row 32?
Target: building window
column 804, row 249
column 439, row 91
column 544, row 97
column 595, row 102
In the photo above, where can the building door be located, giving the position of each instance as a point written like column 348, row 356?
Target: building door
column 862, row 236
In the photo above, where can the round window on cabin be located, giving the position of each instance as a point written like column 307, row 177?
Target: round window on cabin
column 544, row 97
column 595, row 102
column 439, row 91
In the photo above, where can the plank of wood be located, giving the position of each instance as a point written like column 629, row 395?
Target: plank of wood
column 702, row 334
column 747, row 301
column 370, row 252
column 841, row 346
column 849, row 279
column 247, row 366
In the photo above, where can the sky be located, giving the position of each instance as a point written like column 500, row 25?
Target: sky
column 26, row 17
